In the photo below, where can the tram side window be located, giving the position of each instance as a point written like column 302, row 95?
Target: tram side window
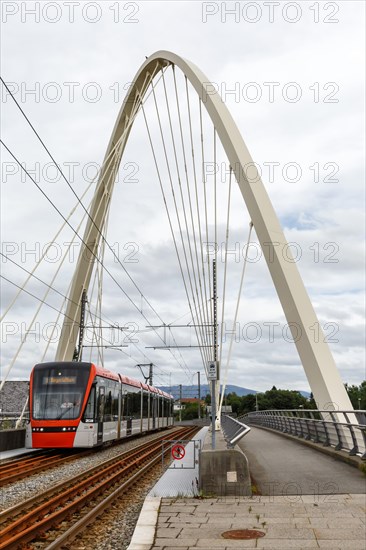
column 137, row 404
column 154, row 405
column 108, row 406
column 101, row 402
column 132, row 402
column 145, row 405
column 115, row 401
column 89, row 413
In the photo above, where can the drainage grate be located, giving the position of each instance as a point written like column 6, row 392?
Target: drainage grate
column 242, row 534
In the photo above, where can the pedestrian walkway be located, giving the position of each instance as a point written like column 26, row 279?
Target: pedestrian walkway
column 283, row 466
column 12, row 453
column 291, row 519
column 297, row 523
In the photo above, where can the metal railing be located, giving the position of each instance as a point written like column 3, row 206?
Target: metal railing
column 342, row 430
column 13, row 420
column 233, row 430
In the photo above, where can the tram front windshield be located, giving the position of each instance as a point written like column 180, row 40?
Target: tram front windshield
column 58, row 390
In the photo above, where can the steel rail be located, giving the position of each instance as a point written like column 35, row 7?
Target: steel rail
column 96, row 481
column 27, row 467
column 83, row 523
column 15, row 510
column 74, row 454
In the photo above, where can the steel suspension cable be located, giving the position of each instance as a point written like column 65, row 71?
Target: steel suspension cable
column 225, row 264
column 196, row 191
column 234, row 321
column 169, row 217
column 210, row 334
column 134, row 111
column 198, row 276
column 185, row 219
column 85, row 244
column 43, row 300
column 44, row 254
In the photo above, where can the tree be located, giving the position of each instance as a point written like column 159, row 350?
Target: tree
column 233, row 400
column 271, row 399
column 190, row 411
column 357, row 395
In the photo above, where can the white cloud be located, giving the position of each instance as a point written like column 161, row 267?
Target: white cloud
column 302, row 133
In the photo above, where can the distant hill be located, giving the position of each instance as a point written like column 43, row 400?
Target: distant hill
column 192, row 391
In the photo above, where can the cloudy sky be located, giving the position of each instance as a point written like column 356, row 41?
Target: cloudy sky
column 291, row 74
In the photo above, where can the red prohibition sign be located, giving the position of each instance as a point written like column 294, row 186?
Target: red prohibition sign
column 178, row 452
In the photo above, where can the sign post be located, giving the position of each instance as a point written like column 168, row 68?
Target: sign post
column 178, row 452
column 212, row 376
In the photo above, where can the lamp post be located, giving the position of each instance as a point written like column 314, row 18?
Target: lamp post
column 199, row 395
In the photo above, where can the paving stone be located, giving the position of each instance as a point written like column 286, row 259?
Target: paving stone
column 180, row 543
column 169, row 533
column 333, row 523
column 219, row 521
column 179, row 509
column 209, row 534
column 280, row 532
column 291, row 521
column 340, row 534
column 343, row 544
column 226, row 543
column 185, row 518
column 279, row 544
column 164, row 520
column 181, row 525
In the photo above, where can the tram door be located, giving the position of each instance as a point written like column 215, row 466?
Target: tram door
column 100, row 409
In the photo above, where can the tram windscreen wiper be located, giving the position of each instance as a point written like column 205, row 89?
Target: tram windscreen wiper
column 64, row 411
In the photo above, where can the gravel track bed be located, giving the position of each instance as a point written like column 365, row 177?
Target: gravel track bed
column 114, row 530
column 26, row 488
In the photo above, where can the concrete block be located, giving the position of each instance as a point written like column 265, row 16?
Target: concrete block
column 12, row 439
column 224, row 473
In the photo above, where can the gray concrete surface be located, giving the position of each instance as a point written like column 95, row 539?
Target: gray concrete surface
column 287, row 523
column 12, row 439
column 303, row 508
column 282, row 466
column 223, row 471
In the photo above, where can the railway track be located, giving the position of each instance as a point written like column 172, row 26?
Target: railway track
column 57, row 516
column 14, row 470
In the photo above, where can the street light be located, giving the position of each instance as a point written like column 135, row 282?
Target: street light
column 199, row 395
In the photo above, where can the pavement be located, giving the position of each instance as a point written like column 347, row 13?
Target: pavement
column 305, row 515
column 282, row 466
column 12, row 453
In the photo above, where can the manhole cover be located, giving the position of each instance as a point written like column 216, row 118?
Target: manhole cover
column 243, row 534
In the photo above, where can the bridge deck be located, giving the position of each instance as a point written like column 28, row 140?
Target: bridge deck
column 282, row 466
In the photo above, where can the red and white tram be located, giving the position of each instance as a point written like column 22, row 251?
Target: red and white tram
column 81, row 405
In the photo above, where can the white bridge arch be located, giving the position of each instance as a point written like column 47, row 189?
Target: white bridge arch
column 315, row 355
